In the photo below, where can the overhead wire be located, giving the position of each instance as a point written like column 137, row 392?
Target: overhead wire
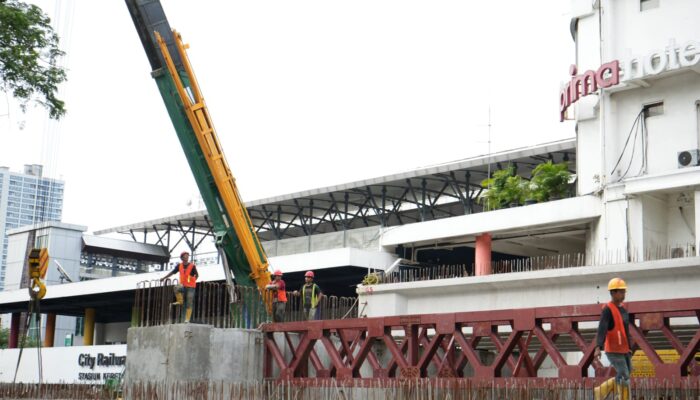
column 49, row 158
column 645, row 146
column 62, row 24
column 629, row 135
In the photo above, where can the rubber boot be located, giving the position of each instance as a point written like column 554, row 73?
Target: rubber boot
column 624, row 392
column 601, row 392
column 188, row 314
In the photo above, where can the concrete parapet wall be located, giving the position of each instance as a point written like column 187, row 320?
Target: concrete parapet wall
column 651, row 280
column 192, row 352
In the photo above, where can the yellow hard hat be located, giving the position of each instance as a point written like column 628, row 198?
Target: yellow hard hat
column 617, row 283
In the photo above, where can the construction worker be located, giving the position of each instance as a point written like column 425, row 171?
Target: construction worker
column 279, row 299
column 613, row 333
column 187, row 285
column 311, row 295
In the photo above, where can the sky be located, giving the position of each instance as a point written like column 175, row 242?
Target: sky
column 303, row 94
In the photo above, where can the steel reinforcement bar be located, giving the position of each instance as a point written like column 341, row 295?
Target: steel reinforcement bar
column 154, row 304
column 482, row 345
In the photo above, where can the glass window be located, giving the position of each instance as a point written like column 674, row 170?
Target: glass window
column 79, row 325
column 654, row 109
column 42, row 241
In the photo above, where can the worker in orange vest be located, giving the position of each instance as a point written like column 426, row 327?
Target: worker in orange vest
column 187, row 285
column 614, row 334
column 279, row 296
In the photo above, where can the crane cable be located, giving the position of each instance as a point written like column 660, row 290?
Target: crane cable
column 33, row 312
column 36, row 262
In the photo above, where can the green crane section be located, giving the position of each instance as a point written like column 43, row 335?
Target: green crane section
column 236, row 238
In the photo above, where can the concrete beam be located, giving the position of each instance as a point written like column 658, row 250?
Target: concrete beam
column 680, row 179
column 558, row 213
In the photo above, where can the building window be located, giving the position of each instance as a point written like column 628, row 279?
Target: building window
column 79, row 326
column 42, row 241
column 645, row 5
column 654, row 109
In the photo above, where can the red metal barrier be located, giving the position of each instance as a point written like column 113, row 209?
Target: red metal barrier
column 483, row 345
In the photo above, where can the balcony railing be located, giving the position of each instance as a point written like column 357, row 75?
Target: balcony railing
column 424, row 272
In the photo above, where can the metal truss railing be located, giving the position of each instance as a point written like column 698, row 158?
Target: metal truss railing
column 482, row 345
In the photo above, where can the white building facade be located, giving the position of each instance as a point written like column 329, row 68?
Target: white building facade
column 634, row 92
column 638, row 139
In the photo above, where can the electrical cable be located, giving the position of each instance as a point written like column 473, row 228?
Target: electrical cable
column 629, row 135
column 634, row 146
column 642, row 168
column 645, row 146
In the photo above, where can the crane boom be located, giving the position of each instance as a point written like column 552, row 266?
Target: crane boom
column 236, row 238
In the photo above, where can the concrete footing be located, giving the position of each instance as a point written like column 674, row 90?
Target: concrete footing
column 192, row 352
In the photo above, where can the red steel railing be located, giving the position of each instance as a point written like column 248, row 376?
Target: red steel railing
column 484, row 345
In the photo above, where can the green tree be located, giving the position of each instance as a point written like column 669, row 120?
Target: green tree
column 29, row 341
column 28, row 54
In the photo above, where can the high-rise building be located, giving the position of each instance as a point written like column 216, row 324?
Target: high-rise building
column 25, row 199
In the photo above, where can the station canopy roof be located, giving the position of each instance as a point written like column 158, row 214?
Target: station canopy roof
column 124, row 248
column 428, row 193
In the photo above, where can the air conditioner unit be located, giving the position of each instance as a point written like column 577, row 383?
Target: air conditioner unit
column 689, row 158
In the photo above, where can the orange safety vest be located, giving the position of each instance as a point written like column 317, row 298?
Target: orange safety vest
column 616, row 339
column 186, row 279
column 281, row 295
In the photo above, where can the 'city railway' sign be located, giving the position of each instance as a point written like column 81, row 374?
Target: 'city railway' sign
column 615, row 72
column 86, row 360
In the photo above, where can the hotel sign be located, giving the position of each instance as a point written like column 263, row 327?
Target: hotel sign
column 612, row 73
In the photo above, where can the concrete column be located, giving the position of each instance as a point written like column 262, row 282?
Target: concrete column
column 89, row 327
column 482, row 259
column 697, row 222
column 50, row 330
column 14, row 331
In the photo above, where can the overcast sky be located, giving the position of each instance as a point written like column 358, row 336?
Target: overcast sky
column 303, row 93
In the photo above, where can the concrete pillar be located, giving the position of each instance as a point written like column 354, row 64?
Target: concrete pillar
column 14, row 331
column 89, row 327
column 697, row 222
column 50, row 330
column 482, row 264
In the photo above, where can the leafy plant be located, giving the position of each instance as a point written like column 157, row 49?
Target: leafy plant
column 550, row 181
column 513, row 193
column 529, row 189
column 503, row 189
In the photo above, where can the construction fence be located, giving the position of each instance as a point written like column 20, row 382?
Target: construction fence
column 423, row 389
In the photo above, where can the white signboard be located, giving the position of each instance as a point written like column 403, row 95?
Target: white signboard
column 77, row 364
